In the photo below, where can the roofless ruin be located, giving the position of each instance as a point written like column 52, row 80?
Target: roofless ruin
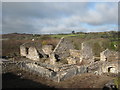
column 47, row 60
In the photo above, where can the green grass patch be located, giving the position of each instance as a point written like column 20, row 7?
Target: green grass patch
column 117, row 82
column 67, row 35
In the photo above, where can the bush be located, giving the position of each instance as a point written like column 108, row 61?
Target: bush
column 117, row 82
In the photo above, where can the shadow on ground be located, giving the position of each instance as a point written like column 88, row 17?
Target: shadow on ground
column 10, row 80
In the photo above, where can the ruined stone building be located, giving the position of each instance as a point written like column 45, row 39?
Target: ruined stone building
column 35, row 51
column 64, row 50
column 108, row 55
column 77, row 56
column 109, row 63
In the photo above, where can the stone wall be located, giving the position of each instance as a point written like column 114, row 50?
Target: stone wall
column 108, row 55
column 87, row 53
column 47, row 49
column 71, row 60
column 75, row 53
column 30, row 52
column 34, row 51
column 104, row 67
column 33, row 54
column 74, row 57
column 70, row 72
column 64, row 73
column 110, row 67
column 62, row 49
column 41, row 70
column 53, row 60
column 22, row 51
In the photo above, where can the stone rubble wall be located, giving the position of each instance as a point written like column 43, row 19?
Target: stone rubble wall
column 33, row 50
column 47, row 49
column 71, row 60
column 41, row 70
column 75, row 53
column 52, row 58
column 112, row 66
column 104, row 67
column 75, row 56
column 32, row 54
column 63, row 47
column 87, row 53
column 95, row 67
column 66, row 74
column 108, row 55
column 22, row 51
column 57, row 76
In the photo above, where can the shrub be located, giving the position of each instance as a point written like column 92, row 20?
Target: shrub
column 117, row 82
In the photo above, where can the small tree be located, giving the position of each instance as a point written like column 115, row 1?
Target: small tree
column 73, row 32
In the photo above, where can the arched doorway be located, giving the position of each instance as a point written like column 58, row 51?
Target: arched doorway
column 111, row 69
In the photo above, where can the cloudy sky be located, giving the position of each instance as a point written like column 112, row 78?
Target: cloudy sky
column 59, row 17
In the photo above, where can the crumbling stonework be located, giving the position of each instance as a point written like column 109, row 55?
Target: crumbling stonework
column 64, row 72
column 74, row 57
column 110, row 67
column 71, row 60
column 52, row 58
column 79, row 61
column 109, row 61
column 62, row 49
column 32, row 50
column 33, row 54
column 75, row 53
column 23, row 51
column 47, row 49
column 86, row 53
column 108, row 55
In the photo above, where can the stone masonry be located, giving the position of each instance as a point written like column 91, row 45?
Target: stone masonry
column 47, row 49
column 65, row 50
column 62, row 49
column 33, row 54
column 108, row 55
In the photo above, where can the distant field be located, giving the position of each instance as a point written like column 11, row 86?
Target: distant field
column 67, row 35
column 100, row 41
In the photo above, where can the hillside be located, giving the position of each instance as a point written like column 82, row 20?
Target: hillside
column 99, row 41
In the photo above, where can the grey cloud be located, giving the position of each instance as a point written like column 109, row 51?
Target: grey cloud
column 41, row 9
column 44, row 17
column 105, row 13
column 21, row 26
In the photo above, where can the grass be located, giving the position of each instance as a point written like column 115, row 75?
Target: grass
column 11, row 48
column 99, row 41
column 59, row 36
column 67, row 35
column 117, row 82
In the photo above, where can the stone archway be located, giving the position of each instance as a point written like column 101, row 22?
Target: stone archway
column 111, row 70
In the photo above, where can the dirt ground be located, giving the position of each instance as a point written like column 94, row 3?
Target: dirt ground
column 13, row 77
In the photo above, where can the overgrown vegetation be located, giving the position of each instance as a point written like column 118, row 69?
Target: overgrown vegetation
column 99, row 41
column 117, row 82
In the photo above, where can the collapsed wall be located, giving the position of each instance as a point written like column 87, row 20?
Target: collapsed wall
column 108, row 55
column 64, row 72
column 87, row 53
column 62, row 48
column 35, row 50
column 110, row 67
column 65, row 50
column 104, row 67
